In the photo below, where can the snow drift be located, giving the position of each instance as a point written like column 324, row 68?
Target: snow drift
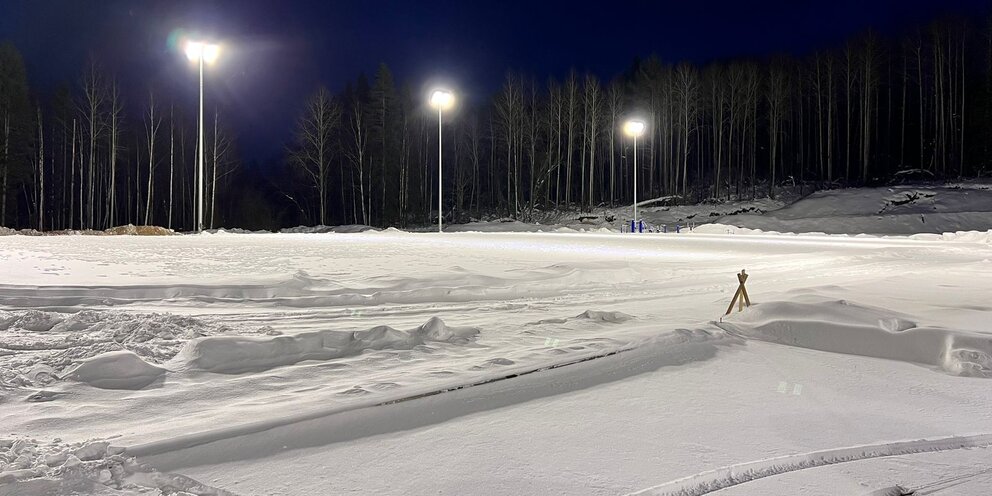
column 116, row 370
column 235, row 354
column 843, row 327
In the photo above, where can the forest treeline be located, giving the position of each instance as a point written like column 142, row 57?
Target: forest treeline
column 856, row 114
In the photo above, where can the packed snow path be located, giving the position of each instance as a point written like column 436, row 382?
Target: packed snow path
column 229, row 336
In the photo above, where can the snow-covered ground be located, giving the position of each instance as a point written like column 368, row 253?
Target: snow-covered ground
column 901, row 210
column 892, row 210
column 495, row 363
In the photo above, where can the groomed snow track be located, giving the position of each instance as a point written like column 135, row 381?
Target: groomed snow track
column 337, row 424
column 740, row 473
column 156, row 448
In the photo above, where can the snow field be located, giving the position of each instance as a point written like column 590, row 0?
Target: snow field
column 291, row 350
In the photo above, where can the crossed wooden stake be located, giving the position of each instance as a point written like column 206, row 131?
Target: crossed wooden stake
column 740, row 296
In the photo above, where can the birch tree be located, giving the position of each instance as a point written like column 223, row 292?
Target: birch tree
column 153, row 120
column 314, row 139
column 357, row 150
column 95, row 97
column 221, row 164
column 593, row 100
column 776, row 95
column 41, row 172
column 116, row 122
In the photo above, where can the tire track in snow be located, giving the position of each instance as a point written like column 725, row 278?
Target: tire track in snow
column 946, row 483
column 740, row 473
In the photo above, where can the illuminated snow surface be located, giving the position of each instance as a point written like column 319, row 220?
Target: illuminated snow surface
column 307, row 363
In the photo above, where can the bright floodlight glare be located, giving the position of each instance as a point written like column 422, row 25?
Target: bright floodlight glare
column 197, row 49
column 210, row 53
column 194, row 50
column 633, row 128
column 442, row 99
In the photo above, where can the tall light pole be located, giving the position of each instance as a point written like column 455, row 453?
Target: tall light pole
column 441, row 100
column 634, row 128
column 200, row 52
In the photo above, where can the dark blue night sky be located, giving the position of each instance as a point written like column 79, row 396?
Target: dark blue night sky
column 277, row 52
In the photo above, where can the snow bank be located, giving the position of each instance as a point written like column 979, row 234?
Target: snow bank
column 234, row 354
column 984, row 237
column 498, row 226
column 347, row 228
column 116, row 370
column 882, row 211
column 960, row 236
column 842, row 327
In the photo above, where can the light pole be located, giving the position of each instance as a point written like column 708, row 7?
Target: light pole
column 441, row 100
column 634, row 128
column 200, row 52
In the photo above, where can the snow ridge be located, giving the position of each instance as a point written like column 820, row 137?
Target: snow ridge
column 235, row 354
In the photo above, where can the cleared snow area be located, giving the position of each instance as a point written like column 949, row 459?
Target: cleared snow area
column 495, row 363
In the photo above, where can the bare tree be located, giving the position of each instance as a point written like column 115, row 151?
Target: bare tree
column 571, row 104
column 532, row 127
column 172, row 162
column 509, row 110
column 312, row 152
column 687, row 103
column 152, row 123
column 357, row 151
column 869, row 81
column 593, row 101
column 776, row 95
column 715, row 79
column 41, row 172
column 221, row 164
column 849, row 82
column 614, row 109
column 116, row 117
column 94, row 100
column 15, row 116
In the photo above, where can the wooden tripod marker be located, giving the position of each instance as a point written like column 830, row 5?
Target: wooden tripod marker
column 740, row 297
